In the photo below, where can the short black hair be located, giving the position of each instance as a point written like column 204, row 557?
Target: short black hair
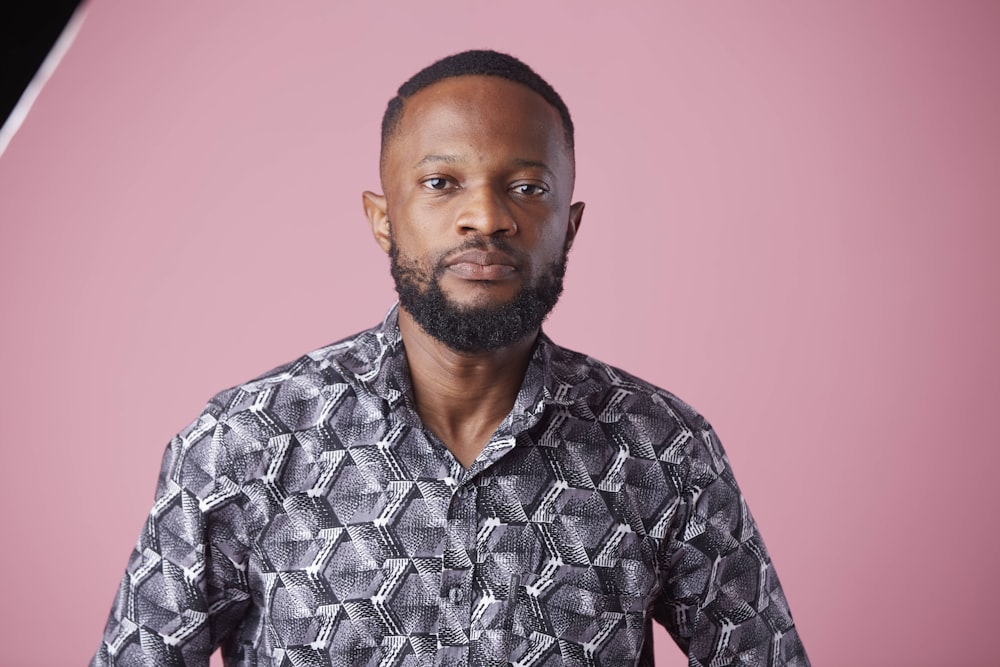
column 474, row 63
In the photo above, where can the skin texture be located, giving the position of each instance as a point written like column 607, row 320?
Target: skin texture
column 474, row 159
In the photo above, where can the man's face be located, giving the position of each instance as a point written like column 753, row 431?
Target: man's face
column 476, row 215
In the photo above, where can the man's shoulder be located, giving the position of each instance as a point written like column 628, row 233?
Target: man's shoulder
column 315, row 375
column 611, row 392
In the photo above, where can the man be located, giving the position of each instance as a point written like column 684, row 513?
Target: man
column 451, row 487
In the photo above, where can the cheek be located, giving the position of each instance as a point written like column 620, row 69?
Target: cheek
column 413, row 250
column 419, row 226
column 554, row 241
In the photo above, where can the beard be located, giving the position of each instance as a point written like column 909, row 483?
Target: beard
column 474, row 328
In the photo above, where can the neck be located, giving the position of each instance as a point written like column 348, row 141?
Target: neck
column 463, row 396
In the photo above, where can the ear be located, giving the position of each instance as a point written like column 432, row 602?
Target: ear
column 377, row 211
column 575, row 218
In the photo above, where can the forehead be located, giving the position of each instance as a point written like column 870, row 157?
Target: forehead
column 475, row 112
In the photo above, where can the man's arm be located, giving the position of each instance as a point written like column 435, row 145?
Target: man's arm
column 185, row 586
column 723, row 603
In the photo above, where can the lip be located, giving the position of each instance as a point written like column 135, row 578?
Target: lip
column 483, row 265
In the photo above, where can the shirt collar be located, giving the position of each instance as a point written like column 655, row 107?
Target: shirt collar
column 378, row 361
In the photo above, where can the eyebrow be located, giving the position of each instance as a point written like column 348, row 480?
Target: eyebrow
column 535, row 164
column 452, row 159
column 448, row 159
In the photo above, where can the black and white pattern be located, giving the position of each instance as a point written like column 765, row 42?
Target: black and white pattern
column 308, row 518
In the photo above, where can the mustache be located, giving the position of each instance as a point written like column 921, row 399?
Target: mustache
column 481, row 243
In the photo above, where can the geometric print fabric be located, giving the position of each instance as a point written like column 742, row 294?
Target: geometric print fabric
column 308, row 518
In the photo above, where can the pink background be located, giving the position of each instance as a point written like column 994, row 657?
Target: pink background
column 181, row 211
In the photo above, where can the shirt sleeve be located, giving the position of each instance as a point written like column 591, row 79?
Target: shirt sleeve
column 722, row 601
column 185, row 587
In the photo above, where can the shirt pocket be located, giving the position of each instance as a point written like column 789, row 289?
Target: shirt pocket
column 568, row 624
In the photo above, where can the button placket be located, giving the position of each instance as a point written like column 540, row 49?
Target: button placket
column 457, row 579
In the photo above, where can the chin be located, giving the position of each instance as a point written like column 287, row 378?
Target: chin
column 482, row 294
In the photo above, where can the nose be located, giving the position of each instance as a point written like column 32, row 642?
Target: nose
column 486, row 211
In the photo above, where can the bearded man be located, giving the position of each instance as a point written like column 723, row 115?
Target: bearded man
column 451, row 487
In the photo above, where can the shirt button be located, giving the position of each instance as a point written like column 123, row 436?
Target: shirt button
column 456, row 595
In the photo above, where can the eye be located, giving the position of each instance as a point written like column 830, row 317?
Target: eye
column 529, row 189
column 436, row 183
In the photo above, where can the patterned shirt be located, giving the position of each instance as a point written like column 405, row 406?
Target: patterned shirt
column 309, row 518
